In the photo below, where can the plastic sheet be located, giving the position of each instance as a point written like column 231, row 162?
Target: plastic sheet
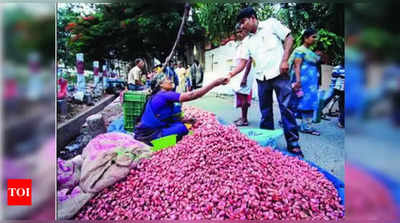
column 117, row 126
column 262, row 136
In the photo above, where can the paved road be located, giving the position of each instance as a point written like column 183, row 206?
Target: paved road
column 327, row 150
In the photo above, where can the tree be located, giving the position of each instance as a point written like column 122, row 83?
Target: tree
column 327, row 18
column 65, row 15
column 222, row 26
column 28, row 34
column 128, row 30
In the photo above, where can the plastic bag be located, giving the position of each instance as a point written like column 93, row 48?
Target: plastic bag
column 262, row 136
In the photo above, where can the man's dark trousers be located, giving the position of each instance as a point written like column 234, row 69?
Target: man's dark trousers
column 284, row 93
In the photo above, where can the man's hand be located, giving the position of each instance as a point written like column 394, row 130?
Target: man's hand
column 284, row 67
column 221, row 80
column 297, row 85
column 228, row 79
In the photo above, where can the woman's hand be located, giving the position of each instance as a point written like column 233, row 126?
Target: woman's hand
column 228, row 78
column 192, row 95
column 221, row 80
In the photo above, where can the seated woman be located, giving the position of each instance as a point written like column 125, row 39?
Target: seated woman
column 161, row 116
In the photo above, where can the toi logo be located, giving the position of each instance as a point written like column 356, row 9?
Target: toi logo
column 19, row 192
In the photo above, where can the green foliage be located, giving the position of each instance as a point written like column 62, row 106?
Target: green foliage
column 65, row 15
column 27, row 33
column 326, row 18
column 71, row 78
column 222, row 26
column 129, row 30
column 332, row 45
column 126, row 31
column 297, row 17
column 329, row 43
column 374, row 38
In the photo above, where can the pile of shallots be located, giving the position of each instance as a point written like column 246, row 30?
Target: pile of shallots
column 217, row 173
column 201, row 117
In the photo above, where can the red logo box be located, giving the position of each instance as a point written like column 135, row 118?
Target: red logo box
column 19, row 192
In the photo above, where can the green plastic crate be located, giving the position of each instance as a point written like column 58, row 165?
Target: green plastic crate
column 130, row 118
column 164, row 142
column 133, row 106
column 135, row 96
column 130, row 125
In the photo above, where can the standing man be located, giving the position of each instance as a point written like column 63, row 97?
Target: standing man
column 196, row 73
column 170, row 72
column 243, row 82
column 264, row 46
column 181, row 72
column 134, row 76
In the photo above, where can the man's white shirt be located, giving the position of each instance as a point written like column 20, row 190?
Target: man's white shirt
column 134, row 74
column 266, row 48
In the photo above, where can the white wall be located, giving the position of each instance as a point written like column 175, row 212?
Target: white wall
column 218, row 63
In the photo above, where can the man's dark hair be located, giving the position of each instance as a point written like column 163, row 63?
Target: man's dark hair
column 246, row 13
column 196, row 61
column 138, row 60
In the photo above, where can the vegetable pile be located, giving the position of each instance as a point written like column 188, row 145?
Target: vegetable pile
column 217, row 173
column 368, row 197
column 199, row 116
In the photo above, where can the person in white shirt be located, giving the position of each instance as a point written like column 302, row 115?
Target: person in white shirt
column 197, row 75
column 270, row 59
column 242, row 83
column 134, row 76
column 181, row 72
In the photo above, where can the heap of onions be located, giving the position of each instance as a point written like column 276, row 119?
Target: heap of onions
column 217, row 173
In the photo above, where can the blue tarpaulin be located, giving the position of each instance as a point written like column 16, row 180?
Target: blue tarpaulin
column 263, row 137
column 117, row 125
column 392, row 185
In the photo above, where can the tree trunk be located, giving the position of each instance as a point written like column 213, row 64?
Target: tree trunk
column 189, row 53
column 201, row 50
column 184, row 18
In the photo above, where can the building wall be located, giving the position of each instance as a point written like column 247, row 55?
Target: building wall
column 218, row 63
